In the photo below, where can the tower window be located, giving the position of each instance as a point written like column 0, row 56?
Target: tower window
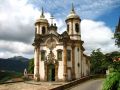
column 43, row 30
column 77, row 27
column 69, row 55
column 42, row 55
column 59, row 54
column 67, row 27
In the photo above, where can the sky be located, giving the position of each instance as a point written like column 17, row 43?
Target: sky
column 17, row 17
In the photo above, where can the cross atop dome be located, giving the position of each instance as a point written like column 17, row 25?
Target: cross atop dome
column 72, row 10
column 52, row 17
column 42, row 14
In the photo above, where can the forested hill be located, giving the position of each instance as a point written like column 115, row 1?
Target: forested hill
column 17, row 64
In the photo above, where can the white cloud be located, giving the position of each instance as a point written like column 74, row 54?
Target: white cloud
column 9, row 49
column 17, row 28
column 84, row 8
column 97, row 35
column 17, row 19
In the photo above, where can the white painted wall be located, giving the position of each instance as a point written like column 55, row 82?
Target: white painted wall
column 77, row 60
column 60, row 67
column 60, row 70
column 35, row 58
column 42, row 70
column 69, row 74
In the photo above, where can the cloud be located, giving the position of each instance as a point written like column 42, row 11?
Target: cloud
column 17, row 28
column 9, row 49
column 17, row 20
column 85, row 8
column 97, row 35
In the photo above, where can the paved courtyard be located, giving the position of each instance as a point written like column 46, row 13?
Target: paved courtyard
column 89, row 85
column 30, row 85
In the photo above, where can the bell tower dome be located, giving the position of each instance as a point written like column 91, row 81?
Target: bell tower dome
column 73, row 25
column 41, row 24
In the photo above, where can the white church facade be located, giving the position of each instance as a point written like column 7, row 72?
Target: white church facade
column 59, row 57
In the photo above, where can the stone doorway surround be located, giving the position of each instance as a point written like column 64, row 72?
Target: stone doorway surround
column 51, row 72
column 51, row 61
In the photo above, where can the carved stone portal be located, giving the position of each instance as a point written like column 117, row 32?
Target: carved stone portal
column 51, row 67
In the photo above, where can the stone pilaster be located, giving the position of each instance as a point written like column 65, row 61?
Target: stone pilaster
column 72, row 26
column 73, row 62
column 81, row 62
column 65, row 62
column 45, row 68
column 36, row 64
column 56, row 72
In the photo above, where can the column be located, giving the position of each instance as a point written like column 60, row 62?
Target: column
column 36, row 64
column 65, row 62
column 81, row 62
column 56, row 72
column 73, row 61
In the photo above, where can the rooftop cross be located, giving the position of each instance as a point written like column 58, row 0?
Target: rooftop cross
column 72, row 10
column 52, row 19
column 42, row 13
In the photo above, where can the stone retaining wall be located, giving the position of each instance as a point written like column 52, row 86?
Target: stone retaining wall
column 76, row 82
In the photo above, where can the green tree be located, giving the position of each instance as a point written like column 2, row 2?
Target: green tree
column 111, row 59
column 31, row 66
column 117, row 38
column 112, row 82
column 117, row 34
column 98, row 63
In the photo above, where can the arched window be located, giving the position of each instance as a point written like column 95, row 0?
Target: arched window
column 77, row 27
column 43, row 30
column 67, row 27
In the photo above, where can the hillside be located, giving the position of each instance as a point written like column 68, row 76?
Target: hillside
column 17, row 64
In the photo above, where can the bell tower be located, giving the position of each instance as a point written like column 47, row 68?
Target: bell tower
column 41, row 24
column 73, row 25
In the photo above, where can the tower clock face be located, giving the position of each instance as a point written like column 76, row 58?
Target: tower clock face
column 51, row 44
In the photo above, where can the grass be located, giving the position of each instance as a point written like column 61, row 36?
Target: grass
column 7, row 75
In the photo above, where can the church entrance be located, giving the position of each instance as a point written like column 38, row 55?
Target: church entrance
column 51, row 72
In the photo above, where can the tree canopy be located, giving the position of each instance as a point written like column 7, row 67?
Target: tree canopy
column 117, row 38
column 31, row 66
column 98, row 64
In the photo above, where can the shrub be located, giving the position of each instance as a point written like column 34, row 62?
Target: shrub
column 112, row 82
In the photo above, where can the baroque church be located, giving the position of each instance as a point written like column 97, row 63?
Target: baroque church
column 59, row 57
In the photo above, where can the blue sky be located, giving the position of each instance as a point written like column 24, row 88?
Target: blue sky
column 100, row 10
column 17, row 17
column 111, row 17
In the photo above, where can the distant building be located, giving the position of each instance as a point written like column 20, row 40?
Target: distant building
column 59, row 57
